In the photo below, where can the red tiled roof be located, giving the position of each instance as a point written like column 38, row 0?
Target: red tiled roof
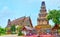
column 22, row 21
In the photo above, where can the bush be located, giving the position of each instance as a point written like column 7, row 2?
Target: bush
column 20, row 33
column 2, row 31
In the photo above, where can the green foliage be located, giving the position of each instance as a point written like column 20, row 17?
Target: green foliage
column 13, row 29
column 20, row 33
column 58, row 30
column 19, row 28
column 7, row 29
column 2, row 31
column 54, row 15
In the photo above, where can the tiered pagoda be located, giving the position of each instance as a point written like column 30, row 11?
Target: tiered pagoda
column 42, row 22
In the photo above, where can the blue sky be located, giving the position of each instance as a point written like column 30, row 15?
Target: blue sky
column 13, row 9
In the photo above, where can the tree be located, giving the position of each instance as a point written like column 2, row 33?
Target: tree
column 8, row 30
column 13, row 29
column 20, row 33
column 54, row 15
column 2, row 31
column 19, row 28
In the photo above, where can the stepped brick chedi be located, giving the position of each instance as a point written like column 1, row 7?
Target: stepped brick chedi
column 23, row 21
column 42, row 22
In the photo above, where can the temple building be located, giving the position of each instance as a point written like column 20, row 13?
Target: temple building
column 42, row 22
column 23, row 21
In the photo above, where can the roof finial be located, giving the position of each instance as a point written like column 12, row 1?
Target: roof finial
column 43, row 3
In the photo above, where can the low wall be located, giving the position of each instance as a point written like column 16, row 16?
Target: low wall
column 41, row 36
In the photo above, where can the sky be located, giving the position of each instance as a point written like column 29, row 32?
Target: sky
column 13, row 9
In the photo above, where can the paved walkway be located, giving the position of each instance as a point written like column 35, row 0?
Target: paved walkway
column 10, row 36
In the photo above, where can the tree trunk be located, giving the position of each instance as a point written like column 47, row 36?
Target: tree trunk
column 56, row 26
